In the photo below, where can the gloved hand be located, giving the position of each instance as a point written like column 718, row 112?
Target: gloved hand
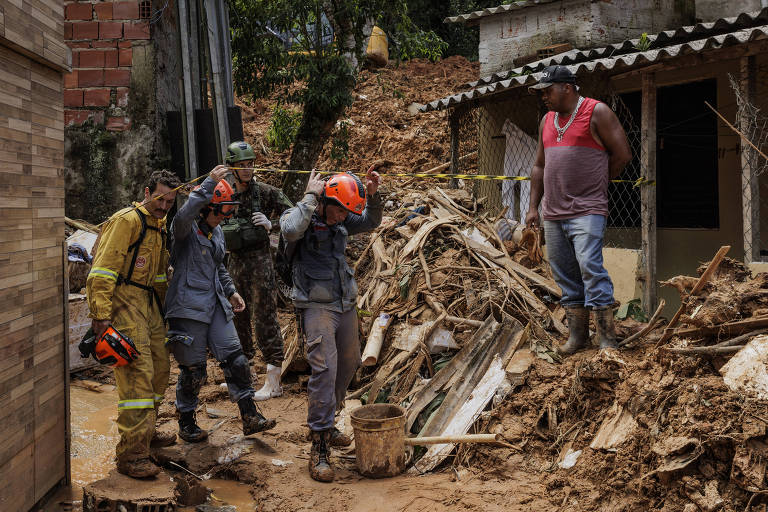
column 259, row 219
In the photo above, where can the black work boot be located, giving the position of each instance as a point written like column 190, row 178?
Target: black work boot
column 253, row 421
column 578, row 329
column 188, row 429
column 606, row 329
column 319, row 464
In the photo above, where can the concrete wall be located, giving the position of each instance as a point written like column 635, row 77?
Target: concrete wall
column 582, row 23
column 33, row 377
column 623, row 265
column 711, row 10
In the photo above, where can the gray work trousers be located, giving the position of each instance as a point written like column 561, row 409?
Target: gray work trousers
column 220, row 337
column 333, row 352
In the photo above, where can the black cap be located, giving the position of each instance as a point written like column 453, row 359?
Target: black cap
column 554, row 74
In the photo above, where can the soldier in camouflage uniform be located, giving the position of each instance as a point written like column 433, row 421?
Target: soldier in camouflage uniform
column 250, row 264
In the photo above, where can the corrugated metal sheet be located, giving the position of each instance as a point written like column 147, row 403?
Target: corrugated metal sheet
column 666, row 45
column 463, row 18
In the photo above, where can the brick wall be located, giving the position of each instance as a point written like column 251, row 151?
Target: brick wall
column 102, row 36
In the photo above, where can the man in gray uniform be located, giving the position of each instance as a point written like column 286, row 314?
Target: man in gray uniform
column 199, row 307
column 325, row 293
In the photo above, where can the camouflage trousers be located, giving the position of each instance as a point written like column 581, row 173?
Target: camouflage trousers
column 254, row 277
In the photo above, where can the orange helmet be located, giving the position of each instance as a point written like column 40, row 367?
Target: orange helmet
column 346, row 190
column 113, row 348
column 223, row 202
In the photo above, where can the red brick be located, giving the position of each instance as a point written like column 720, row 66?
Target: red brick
column 125, row 10
column 70, row 80
column 103, row 11
column 79, row 11
column 85, row 30
column 124, row 44
column 126, row 57
column 104, row 44
column 122, row 96
column 117, row 77
column 92, row 59
column 75, row 117
column 73, row 97
column 80, row 44
column 90, row 77
column 138, row 30
column 110, row 30
column 110, row 59
column 67, row 30
column 97, row 97
column 75, row 60
column 118, row 124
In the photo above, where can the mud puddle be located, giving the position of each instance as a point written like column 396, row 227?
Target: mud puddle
column 227, row 492
column 94, row 433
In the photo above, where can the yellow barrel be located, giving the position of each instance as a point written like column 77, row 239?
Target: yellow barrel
column 378, row 48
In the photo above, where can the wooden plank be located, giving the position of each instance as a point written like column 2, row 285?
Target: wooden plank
column 711, row 268
column 727, row 329
column 219, row 91
column 190, row 138
column 750, row 185
column 648, row 194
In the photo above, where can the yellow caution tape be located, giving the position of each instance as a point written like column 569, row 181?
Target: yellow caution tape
column 481, row 177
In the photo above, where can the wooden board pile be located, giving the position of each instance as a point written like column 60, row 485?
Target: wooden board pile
column 721, row 310
column 446, row 305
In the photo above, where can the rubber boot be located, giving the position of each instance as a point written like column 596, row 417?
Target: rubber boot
column 578, row 329
column 139, row 468
column 253, row 421
column 606, row 329
column 271, row 387
column 162, row 438
column 339, row 439
column 188, row 429
column 319, row 464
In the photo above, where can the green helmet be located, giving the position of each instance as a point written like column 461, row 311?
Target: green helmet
column 239, row 151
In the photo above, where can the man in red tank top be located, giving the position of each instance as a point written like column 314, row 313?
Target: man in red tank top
column 582, row 146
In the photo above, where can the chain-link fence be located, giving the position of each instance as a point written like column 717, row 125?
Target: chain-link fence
column 752, row 121
column 497, row 135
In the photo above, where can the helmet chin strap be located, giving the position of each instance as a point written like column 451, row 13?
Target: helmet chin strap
column 237, row 176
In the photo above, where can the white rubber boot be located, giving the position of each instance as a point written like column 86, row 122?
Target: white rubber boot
column 271, row 388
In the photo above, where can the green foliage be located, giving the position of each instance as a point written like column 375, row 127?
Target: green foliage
column 283, row 127
column 632, row 309
column 459, row 38
column 643, row 43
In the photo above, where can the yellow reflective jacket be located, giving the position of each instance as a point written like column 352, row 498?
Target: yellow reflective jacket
column 109, row 295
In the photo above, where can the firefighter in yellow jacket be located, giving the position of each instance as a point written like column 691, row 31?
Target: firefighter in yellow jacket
column 126, row 288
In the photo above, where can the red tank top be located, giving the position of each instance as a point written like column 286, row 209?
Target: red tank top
column 575, row 169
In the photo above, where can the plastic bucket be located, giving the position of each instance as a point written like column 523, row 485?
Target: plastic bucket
column 379, row 434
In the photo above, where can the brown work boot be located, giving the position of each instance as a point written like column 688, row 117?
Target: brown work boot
column 606, row 329
column 162, row 438
column 577, row 318
column 253, row 421
column 339, row 439
column 319, row 458
column 138, row 468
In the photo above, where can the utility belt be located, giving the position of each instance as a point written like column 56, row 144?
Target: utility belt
column 154, row 297
column 239, row 235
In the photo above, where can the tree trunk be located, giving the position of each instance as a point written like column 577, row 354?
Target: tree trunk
column 306, row 149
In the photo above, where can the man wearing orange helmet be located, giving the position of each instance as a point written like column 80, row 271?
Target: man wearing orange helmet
column 325, row 293
column 201, row 303
column 125, row 290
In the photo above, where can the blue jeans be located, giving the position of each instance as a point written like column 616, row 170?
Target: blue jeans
column 575, row 253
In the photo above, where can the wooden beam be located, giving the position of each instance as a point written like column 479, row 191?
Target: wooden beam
column 453, row 121
column 65, row 345
column 750, row 187
column 188, row 77
column 648, row 194
column 218, row 89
